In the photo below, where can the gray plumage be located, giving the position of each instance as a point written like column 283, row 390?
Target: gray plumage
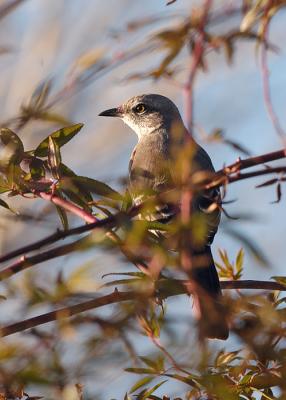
column 158, row 124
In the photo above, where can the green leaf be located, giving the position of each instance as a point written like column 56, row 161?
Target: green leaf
column 138, row 274
column 4, row 185
column 11, row 148
column 140, row 370
column 54, row 157
column 280, row 279
column 140, row 383
column 37, row 169
column 5, row 205
column 77, row 198
column 189, row 380
column 97, row 187
column 122, row 282
column 152, row 390
column 63, row 217
column 61, row 137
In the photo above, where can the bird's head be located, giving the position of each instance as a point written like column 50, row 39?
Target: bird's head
column 147, row 113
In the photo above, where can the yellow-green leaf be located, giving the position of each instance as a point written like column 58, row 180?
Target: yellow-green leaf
column 61, row 137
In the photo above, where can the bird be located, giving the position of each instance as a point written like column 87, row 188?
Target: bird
column 161, row 133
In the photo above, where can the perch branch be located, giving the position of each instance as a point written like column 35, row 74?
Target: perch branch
column 179, row 287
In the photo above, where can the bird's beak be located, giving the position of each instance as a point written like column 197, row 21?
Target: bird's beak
column 112, row 112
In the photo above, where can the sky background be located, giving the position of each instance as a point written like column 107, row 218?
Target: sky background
column 46, row 39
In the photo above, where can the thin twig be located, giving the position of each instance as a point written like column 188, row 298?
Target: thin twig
column 196, row 59
column 266, row 84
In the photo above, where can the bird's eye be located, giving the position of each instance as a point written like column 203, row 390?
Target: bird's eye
column 140, row 108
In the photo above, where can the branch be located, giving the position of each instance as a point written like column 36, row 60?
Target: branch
column 166, row 290
column 252, row 162
column 219, row 179
column 27, row 262
column 266, row 83
column 196, row 60
column 68, row 206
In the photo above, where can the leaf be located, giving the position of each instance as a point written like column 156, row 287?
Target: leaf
column 77, row 199
column 97, row 187
column 141, row 383
column 5, row 205
column 189, row 380
column 138, row 274
column 139, row 370
column 122, row 282
column 63, row 217
column 280, row 279
column 67, row 172
column 152, row 390
column 239, row 262
column 267, row 183
column 252, row 247
column 37, row 169
column 40, row 95
column 61, row 137
column 278, row 194
column 11, row 148
column 54, row 157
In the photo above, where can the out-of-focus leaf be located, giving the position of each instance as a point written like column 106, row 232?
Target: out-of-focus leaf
column 97, row 187
column 122, row 282
column 157, row 364
column 189, row 380
column 8, row 7
column 54, row 157
column 5, row 205
column 249, row 19
column 239, row 262
column 77, row 198
column 140, row 370
column 140, row 383
column 4, row 184
column 63, row 217
column 148, row 393
column 279, row 279
column 137, row 274
column 217, row 135
column 225, row 358
column 40, row 95
column 61, row 137
column 11, row 148
column 86, row 61
column 252, row 247
column 53, row 117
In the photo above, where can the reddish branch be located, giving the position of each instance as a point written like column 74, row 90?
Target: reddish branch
column 196, row 60
column 68, row 206
column 230, row 173
column 117, row 297
column 265, row 80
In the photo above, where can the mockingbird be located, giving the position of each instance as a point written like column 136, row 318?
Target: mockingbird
column 161, row 136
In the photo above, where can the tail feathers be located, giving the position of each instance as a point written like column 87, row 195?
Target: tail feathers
column 208, row 307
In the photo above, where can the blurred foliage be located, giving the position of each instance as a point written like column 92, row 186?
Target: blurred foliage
column 70, row 357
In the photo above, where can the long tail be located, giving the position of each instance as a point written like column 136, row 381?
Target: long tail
column 208, row 307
